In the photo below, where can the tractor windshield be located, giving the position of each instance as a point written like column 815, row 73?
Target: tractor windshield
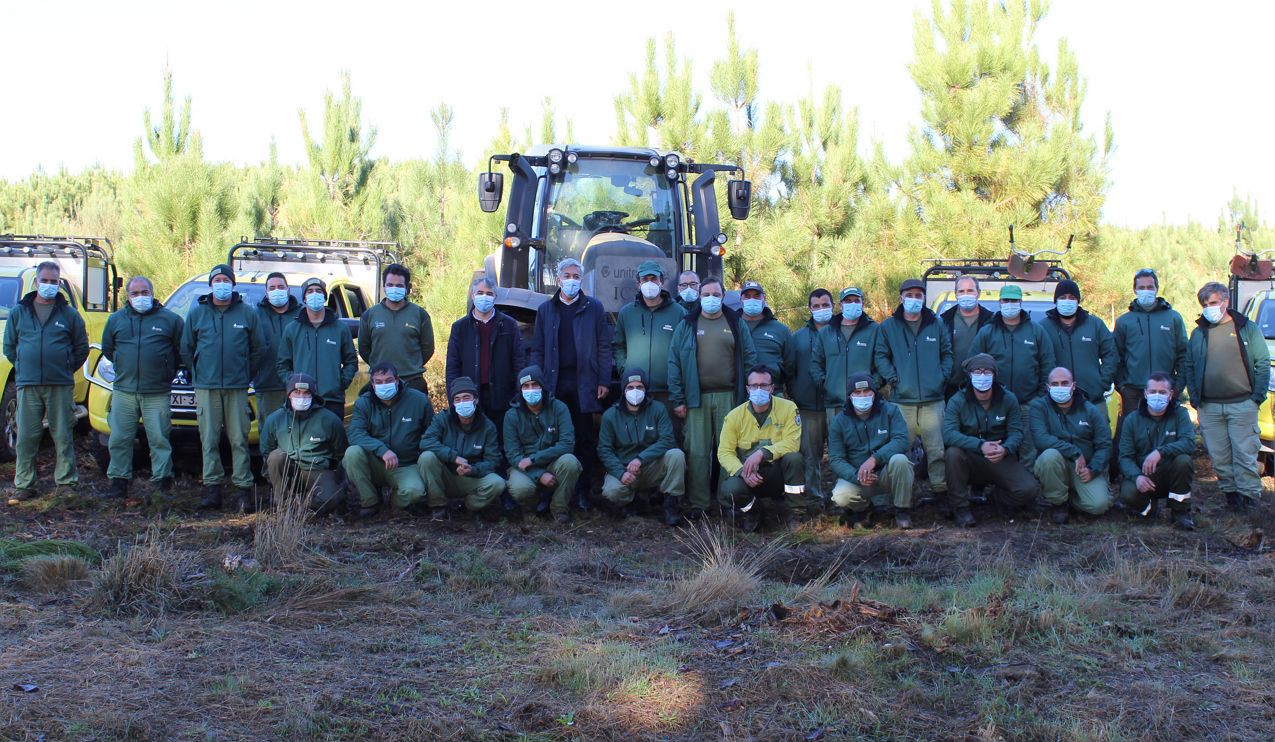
column 599, row 196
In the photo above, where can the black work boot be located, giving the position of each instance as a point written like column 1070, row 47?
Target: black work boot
column 367, row 511
column 903, row 518
column 1059, row 514
column 855, row 519
column 119, row 488
column 672, row 510
column 964, row 518
column 212, row 497
column 166, row 486
column 245, row 501
column 1182, row 521
column 438, row 515
column 1236, row 503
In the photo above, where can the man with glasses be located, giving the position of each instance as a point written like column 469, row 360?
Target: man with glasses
column 963, row 320
column 760, row 452
column 688, row 287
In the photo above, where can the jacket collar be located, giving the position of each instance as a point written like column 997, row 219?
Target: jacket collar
column 927, row 315
column 235, row 298
column 1160, row 306
column 329, row 317
column 59, row 301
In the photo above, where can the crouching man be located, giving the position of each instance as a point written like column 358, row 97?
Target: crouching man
column 1073, row 440
column 867, row 448
column 389, row 420
column 638, row 450
column 539, row 440
column 1156, row 443
column 302, row 445
column 760, row 452
column 460, row 455
column 983, row 430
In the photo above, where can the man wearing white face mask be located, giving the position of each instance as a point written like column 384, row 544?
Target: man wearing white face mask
column 1082, row 344
column 316, row 343
column 1156, row 443
column 389, row 420
column 460, row 456
column 398, row 330
column 760, row 453
column 963, row 320
column 644, row 330
column 143, row 341
column 274, row 312
column 303, row 444
column 770, row 336
column 1228, row 372
column 638, row 451
column 1074, row 442
column 688, row 290
column 486, row 345
column 1150, row 337
column 868, row 449
column 539, row 440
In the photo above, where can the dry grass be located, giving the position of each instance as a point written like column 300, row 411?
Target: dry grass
column 279, row 532
column 725, row 576
column 148, row 578
column 54, row 573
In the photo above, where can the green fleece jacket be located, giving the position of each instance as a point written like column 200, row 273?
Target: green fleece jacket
column 967, row 425
column 48, row 353
column 145, row 348
column 314, row 439
column 852, row 440
column 543, row 437
column 272, row 327
column 1087, row 349
column 916, row 366
column 643, row 336
column 683, row 364
column 377, row 427
column 1172, row 434
column 646, row 435
column 802, row 387
column 770, row 342
column 222, row 346
column 1024, row 355
column 478, row 444
column 835, row 358
column 1079, row 430
column 403, row 337
column 325, row 352
column 1252, row 348
column 1150, row 340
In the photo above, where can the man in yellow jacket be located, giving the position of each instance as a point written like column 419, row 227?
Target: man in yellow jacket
column 760, row 452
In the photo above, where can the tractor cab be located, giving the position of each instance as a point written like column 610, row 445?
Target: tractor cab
column 609, row 208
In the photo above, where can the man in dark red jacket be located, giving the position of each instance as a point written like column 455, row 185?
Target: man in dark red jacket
column 486, row 345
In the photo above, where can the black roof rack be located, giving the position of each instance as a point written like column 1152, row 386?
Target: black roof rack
column 989, row 270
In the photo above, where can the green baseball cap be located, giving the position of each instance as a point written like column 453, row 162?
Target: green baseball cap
column 851, row 291
column 649, row 268
column 1011, row 292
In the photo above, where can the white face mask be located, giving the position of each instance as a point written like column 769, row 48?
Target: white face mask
column 301, row 404
column 635, row 396
column 650, row 289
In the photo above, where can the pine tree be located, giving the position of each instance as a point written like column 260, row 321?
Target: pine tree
column 340, row 159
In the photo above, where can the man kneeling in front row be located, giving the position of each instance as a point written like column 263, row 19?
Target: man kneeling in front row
column 389, row 420
column 1156, row 443
column 867, row 448
column 760, row 452
column 460, row 455
column 638, row 450
column 302, row 444
column 1073, row 441
column 539, row 440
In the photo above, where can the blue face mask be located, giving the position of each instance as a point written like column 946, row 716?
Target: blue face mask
column 396, row 293
column 1067, row 307
column 851, row 311
column 753, row 307
column 759, row 397
column 222, row 290
column 967, row 301
column 688, row 295
column 912, row 305
column 533, row 396
column 570, row 287
column 1157, row 402
column 277, row 297
column 1146, row 298
column 822, row 316
column 314, row 302
column 711, row 304
column 1213, row 314
column 466, row 408
column 862, row 404
column 385, row 391
column 484, row 302
column 47, row 290
column 141, row 304
column 1010, row 310
column 1060, row 394
column 981, row 382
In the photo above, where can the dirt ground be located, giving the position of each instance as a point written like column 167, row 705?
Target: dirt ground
column 402, row 629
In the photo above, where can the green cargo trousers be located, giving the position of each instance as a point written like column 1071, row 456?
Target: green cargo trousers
column 893, row 488
column 442, row 484
column 156, row 416
column 814, row 436
column 667, row 474
column 34, row 404
column 288, row 478
column 1027, row 449
column 268, row 402
column 566, row 469
column 925, row 421
column 703, row 430
column 367, row 472
column 227, row 409
column 787, row 476
column 1233, row 441
column 1059, row 482
column 1012, row 482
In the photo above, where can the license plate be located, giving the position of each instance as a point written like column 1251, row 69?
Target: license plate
column 181, row 400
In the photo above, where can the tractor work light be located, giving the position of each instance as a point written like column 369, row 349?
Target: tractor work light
column 671, row 174
column 572, row 157
column 554, row 168
column 513, row 243
column 672, row 161
column 511, row 227
column 555, row 155
column 717, row 251
column 655, row 161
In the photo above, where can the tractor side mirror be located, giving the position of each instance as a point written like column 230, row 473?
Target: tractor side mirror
column 491, row 188
column 739, row 197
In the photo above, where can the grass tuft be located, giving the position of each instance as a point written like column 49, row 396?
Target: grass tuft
column 279, row 532
column 148, row 578
column 726, row 575
column 54, row 573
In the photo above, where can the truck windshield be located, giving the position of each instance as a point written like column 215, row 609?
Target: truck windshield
column 599, row 196
column 1266, row 318
column 10, row 294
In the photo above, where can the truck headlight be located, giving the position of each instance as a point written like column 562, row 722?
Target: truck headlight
column 106, row 370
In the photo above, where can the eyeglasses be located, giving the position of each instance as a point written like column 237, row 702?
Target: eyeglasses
column 691, row 285
column 754, row 387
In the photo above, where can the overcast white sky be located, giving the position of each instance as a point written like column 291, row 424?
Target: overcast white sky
column 1187, row 83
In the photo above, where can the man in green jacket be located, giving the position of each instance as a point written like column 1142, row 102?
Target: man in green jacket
column 303, row 444
column 770, row 336
column 1073, row 438
column 638, row 451
column 1082, row 344
column 539, row 439
column 1150, row 337
column 222, row 345
column 983, row 431
column 1228, row 371
column 143, row 343
column 707, row 367
column 644, row 329
column 868, row 449
column 963, row 320
column 275, row 311
column 914, row 356
column 386, row 428
column 1156, row 443
column 1024, row 356
column 46, row 342
column 809, row 395
column 396, row 330
column 316, row 343
column 460, row 454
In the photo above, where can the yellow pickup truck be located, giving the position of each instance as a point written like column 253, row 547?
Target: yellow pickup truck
column 89, row 284
column 1257, row 300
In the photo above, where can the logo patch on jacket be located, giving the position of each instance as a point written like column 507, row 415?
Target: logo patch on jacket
column 699, row 332
column 330, row 341
column 882, row 432
column 668, row 327
column 860, row 343
column 999, row 418
column 1083, row 423
column 315, row 439
column 405, row 420
column 1162, row 327
column 157, row 329
column 1029, row 342
column 58, row 323
column 1084, row 339
column 378, row 325
column 238, row 326
column 650, row 427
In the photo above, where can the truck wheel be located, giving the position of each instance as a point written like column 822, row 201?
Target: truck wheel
column 9, row 421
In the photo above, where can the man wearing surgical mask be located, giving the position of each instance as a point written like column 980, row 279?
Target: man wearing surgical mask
column 397, row 330
column 275, row 311
column 1156, row 443
column 760, row 454
column 1228, row 373
column 1150, row 337
column 868, row 449
column 1024, row 355
column 637, row 450
column 644, row 330
column 808, row 392
column 770, row 336
column 223, row 346
column 688, row 290
column 316, row 343
column 983, row 431
column 486, row 345
column 143, row 342
column 963, row 320
column 1082, row 344
column 1074, row 442
column 571, row 343
column 539, row 441
column 302, row 445
column 386, row 427
column 460, row 456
